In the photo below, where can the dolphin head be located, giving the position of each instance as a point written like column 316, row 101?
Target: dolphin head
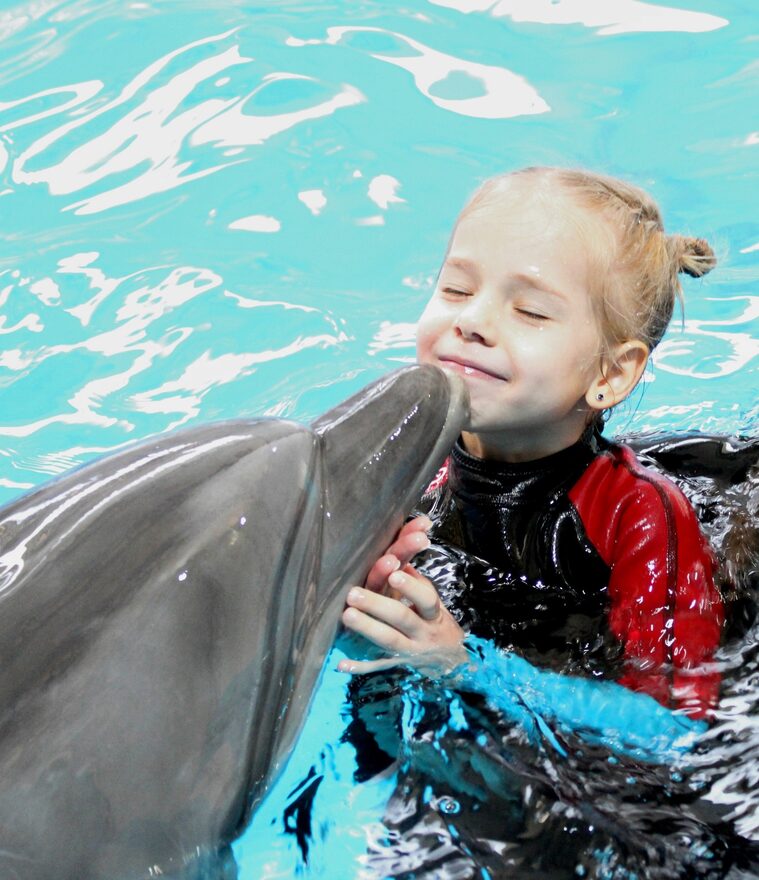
column 165, row 612
column 378, row 451
column 381, row 447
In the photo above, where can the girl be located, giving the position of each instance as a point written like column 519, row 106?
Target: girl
column 556, row 286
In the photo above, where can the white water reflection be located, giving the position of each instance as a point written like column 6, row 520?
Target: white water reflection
column 15, row 19
column 501, row 94
column 15, row 360
column 234, row 128
column 81, row 93
column 81, row 264
column 155, row 123
column 398, row 337
column 28, row 322
column 50, row 463
column 247, row 302
column 46, row 290
column 609, row 16
column 422, row 281
column 703, row 352
column 13, row 484
column 139, row 309
column 313, row 199
column 149, row 302
column 141, row 135
column 383, row 190
column 142, row 329
column 184, row 396
column 256, row 223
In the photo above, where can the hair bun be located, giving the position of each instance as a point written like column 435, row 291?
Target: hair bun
column 694, row 255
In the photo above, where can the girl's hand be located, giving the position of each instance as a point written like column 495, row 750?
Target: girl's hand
column 410, row 540
column 411, row 623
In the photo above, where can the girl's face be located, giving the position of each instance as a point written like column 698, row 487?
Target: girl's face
column 511, row 313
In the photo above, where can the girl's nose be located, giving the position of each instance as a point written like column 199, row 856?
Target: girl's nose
column 475, row 322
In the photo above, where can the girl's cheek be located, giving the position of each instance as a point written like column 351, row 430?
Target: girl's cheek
column 529, row 347
column 423, row 349
column 425, row 340
column 437, row 320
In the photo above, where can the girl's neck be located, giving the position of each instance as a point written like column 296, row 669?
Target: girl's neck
column 512, row 447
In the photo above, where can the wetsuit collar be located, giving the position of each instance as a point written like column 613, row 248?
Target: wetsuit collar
column 477, row 477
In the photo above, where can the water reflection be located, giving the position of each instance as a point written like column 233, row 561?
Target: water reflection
column 705, row 352
column 143, row 327
column 149, row 138
column 610, row 17
column 465, row 87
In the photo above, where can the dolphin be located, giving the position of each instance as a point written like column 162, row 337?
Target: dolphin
column 165, row 613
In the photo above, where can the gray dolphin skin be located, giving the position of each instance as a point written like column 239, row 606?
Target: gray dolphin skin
column 164, row 616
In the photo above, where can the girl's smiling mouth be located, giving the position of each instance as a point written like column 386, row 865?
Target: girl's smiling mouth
column 469, row 369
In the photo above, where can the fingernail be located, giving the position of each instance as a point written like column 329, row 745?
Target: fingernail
column 345, row 666
column 396, row 579
column 354, row 595
column 350, row 614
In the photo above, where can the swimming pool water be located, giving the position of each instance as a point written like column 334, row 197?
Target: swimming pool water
column 237, row 209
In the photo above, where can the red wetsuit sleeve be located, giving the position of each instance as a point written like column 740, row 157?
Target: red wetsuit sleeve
column 664, row 607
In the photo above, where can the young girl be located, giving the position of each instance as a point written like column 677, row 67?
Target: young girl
column 556, row 286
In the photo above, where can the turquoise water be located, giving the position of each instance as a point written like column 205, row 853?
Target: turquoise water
column 215, row 210
column 237, row 210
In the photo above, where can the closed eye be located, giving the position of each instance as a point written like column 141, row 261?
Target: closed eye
column 535, row 316
column 456, row 291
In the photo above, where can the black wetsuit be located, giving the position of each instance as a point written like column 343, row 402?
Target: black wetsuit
column 584, row 562
column 526, row 556
column 584, row 558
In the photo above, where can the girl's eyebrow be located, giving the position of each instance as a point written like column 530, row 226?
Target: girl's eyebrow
column 538, row 284
column 461, row 263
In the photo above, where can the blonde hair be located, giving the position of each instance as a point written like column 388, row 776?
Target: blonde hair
column 636, row 279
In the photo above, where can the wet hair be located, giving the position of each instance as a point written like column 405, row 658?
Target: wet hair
column 636, row 267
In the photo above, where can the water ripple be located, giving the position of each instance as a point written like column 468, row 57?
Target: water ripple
column 706, row 353
column 489, row 92
column 610, row 17
column 155, row 142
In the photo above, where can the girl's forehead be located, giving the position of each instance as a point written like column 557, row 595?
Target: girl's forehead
column 511, row 237
column 551, row 206
column 502, row 222
column 528, row 217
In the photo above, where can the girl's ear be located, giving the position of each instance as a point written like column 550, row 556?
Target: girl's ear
column 619, row 374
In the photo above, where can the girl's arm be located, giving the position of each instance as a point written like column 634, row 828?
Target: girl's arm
column 664, row 606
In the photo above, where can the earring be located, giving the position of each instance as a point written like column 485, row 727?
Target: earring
column 599, row 396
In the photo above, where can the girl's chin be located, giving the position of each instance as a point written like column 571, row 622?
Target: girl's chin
column 480, row 422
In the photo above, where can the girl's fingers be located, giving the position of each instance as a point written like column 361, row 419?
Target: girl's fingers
column 387, row 636
column 360, row 667
column 380, row 571
column 392, row 615
column 418, row 591
column 417, row 524
column 423, row 523
column 411, row 539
